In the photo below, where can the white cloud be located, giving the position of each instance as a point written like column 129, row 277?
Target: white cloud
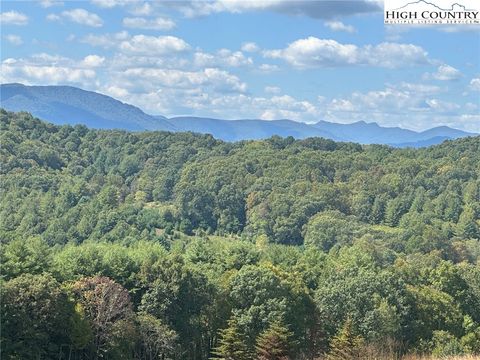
column 158, row 23
column 313, row 52
column 116, row 92
column 475, row 84
column 274, row 108
column 442, row 106
column 215, row 92
column 13, row 18
column 339, row 26
column 287, row 107
column 213, row 78
column 151, row 45
column 93, row 61
column 222, row 58
column 424, row 89
column 45, row 69
column 79, row 16
column 408, row 105
column 444, row 73
column 393, row 55
column 272, row 89
column 144, row 9
column 82, row 16
column 105, row 40
column 53, row 17
column 250, row 47
column 268, row 68
column 13, row 39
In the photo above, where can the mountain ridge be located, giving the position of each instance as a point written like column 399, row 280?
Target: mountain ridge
column 72, row 105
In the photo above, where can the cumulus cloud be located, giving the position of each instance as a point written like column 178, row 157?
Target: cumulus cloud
column 13, row 39
column 444, row 73
column 105, row 40
column 393, row 55
column 152, row 45
column 92, row 61
column 79, row 16
column 316, row 9
column 213, row 78
column 13, row 18
column 313, row 52
column 268, row 68
column 45, row 69
column 286, row 107
column 142, row 9
column 53, row 17
column 475, row 84
column 339, row 26
column 409, row 105
column 250, row 47
column 158, row 23
column 423, row 89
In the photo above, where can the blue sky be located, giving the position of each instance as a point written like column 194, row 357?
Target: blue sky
column 302, row 60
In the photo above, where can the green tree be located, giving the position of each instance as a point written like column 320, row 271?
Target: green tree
column 36, row 317
column 326, row 229
column 22, row 256
column 231, row 344
column 345, row 345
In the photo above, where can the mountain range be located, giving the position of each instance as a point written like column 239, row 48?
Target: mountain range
column 71, row 105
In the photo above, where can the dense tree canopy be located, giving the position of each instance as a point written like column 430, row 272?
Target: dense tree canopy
column 162, row 245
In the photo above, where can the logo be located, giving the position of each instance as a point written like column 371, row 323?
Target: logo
column 441, row 12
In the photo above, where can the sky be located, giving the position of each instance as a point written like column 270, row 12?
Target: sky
column 300, row 60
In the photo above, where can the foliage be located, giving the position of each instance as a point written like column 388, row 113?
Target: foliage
column 155, row 245
column 232, row 344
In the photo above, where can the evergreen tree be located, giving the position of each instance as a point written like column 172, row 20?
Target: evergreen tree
column 345, row 345
column 232, row 344
column 275, row 343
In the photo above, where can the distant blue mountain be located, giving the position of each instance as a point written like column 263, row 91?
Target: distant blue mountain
column 70, row 105
column 236, row 130
column 360, row 132
column 372, row 133
column 423, row 143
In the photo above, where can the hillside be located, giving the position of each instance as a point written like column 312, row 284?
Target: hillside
column 71, row 105
column 205, row 244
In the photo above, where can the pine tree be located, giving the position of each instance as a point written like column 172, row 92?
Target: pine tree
column 275, row 343
column 232, row 345
column 345, row 345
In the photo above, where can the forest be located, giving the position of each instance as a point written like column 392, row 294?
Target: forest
column 159, row 245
